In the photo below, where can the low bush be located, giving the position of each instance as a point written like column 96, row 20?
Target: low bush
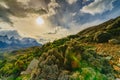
column 102, row 37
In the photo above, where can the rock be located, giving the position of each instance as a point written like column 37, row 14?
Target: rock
column 31, row 67
column 64, row 75
column 49, row 72
column 108, row 57
column 48, row 67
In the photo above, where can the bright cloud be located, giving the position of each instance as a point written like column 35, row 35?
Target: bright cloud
column 3, row 5
column 25, row 2
column 52, row 6
column 71, row 1
column 98, row 6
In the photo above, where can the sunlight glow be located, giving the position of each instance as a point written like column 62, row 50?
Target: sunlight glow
column 40, row 21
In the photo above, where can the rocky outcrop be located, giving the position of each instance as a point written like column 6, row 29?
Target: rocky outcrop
column 49, row 67
column 31, row 67
column 64, row 75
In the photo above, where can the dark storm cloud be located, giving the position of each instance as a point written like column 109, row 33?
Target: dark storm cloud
column 4, row 16
column 13, row 8
column 20, row 10
column 16, row 9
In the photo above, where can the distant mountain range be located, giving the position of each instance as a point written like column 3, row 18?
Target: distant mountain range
column 8, row 43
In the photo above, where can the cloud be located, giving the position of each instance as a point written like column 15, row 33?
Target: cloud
column 2, row 4
column 71, row 1
column 37, row 4
column 20, row 8
column 52, row 7
column 4, row 13
column 98, row 6
column 25, row 2
column 56, row 30
column 48, row 6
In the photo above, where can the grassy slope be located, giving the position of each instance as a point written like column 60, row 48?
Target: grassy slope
column 20, row 60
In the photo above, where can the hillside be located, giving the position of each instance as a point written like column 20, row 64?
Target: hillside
column 92, row 54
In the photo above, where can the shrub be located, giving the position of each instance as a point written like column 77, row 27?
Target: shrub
column 102, row 37
column 73, row 36
column 114, row 41
column 87, row 39
column 115, row 32
column 90, row 74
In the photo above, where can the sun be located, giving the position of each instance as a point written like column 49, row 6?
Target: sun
column 40, row 21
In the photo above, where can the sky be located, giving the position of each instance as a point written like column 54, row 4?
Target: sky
column 59, row 17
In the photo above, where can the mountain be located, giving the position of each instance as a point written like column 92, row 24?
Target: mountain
column 14, row 43
column 10, row 33
column 92, row 54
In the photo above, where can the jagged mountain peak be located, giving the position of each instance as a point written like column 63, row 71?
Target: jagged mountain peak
column 13, row 41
